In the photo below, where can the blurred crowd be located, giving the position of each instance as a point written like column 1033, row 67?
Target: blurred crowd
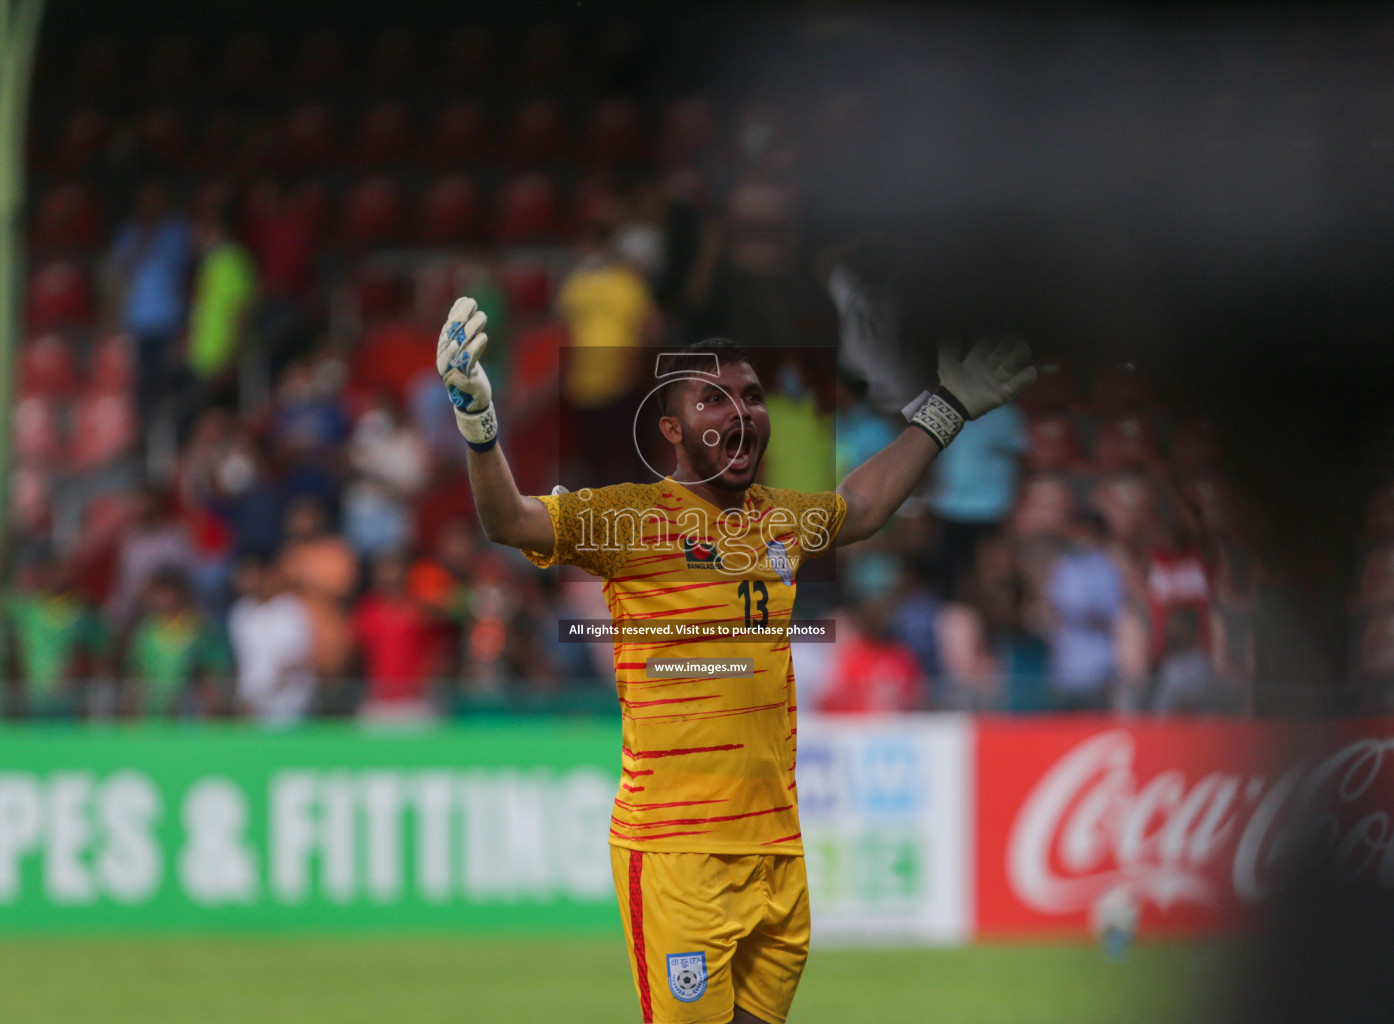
column 301, row 543
column 240, row 490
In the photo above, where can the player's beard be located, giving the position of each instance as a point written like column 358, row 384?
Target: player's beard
column 730, row 464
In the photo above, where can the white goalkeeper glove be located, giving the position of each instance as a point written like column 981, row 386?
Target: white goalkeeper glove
column 458, row 352
column 994, row 371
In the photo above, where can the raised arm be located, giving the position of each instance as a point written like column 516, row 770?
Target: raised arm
column 506, row 516
column 880, row 485
column 994, row 371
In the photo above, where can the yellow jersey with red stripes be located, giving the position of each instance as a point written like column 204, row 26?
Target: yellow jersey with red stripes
column 707, row 761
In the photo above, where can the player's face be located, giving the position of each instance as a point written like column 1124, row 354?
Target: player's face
column 725, row 426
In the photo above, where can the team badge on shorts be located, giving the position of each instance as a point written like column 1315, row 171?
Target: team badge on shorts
column 687, row 975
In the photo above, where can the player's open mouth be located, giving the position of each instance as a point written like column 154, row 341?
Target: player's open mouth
column 738, row 446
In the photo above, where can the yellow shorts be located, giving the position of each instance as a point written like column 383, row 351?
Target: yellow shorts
column 708, row 933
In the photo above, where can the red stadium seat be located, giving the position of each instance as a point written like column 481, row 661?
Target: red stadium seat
column 384, row 134
column 162, row 135
column 437, row 283
column 46, row 366
column 307, row 203
column 59, row 296
column 374, row 213
column 81, row 138
column 434, row 287
column 1054, row 391
column 449, row 212
column 529, row 287
column 378, row 294
column 529, row 210
column 307, row 139
column 537, row 134
column 534, row 364
column 311, row 202
column 105, row 428
column 1043, row 508
column 689, row 131
column 593, row 203
column 1053, row 444
column 112, row 364
column 615, row 132
column 37, row 439
column 31, row 492
column 686, row 185
column 68, row 217
column 1377, row 579
column 460, row 134
column 106, row 516
column 391, row 355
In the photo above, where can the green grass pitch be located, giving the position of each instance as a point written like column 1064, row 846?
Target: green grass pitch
column 446, row 980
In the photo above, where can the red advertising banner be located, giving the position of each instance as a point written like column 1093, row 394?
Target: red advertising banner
column 1189, row 823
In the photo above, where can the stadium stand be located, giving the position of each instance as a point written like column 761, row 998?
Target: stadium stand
column 366, row 193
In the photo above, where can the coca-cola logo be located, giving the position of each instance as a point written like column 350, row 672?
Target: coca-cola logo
column 1091, row 826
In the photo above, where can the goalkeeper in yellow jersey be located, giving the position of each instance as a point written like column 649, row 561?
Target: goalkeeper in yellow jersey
column 705, row 841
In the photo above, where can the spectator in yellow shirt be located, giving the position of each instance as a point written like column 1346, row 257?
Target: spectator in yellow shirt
column 609, row 313
column 225, row 288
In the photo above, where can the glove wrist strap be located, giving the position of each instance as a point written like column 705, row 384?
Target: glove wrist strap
column 481, row 429
column 940, row 415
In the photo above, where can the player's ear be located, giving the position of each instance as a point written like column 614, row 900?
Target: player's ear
column 671, row 429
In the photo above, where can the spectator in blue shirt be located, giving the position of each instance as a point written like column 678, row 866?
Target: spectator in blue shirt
column 861, row 433
column 975, row 484
column 149, row 270
column 1087, row 597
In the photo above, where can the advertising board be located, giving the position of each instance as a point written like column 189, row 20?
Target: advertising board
column 1193, row 822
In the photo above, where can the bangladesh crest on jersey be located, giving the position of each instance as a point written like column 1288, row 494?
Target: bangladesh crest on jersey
column 700, row 554
column 687, row 975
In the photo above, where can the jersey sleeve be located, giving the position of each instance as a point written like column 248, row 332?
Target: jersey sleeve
column 820, row 519
column 818, row 516
column 593, row 527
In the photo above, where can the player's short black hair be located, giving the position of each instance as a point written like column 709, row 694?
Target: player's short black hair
column 694, row 359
